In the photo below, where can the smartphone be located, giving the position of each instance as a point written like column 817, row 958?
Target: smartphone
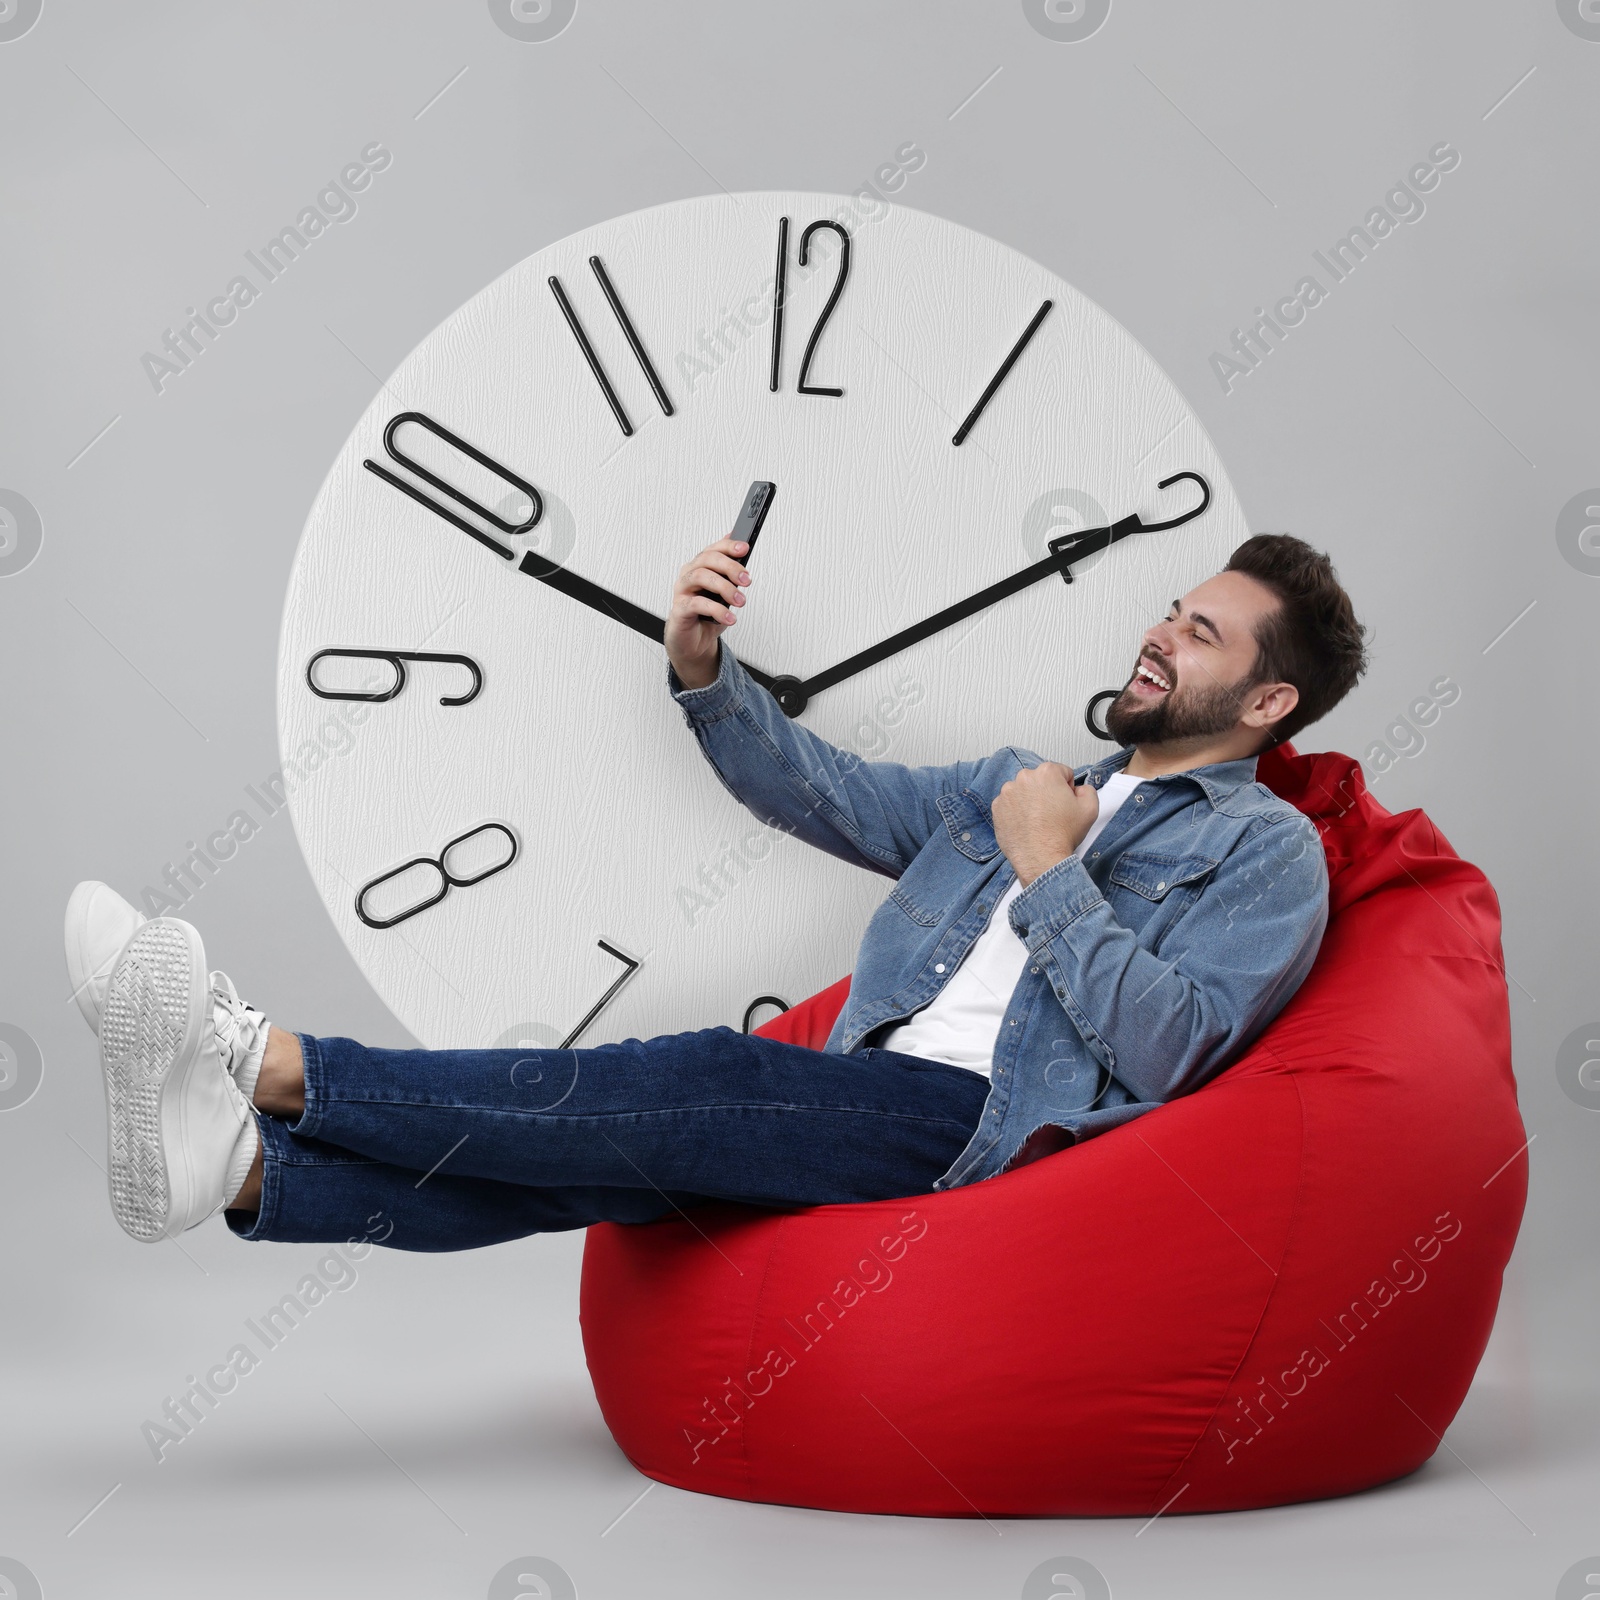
column 752, row 513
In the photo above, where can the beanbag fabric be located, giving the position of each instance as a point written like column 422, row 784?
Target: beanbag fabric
column 1275, row 1288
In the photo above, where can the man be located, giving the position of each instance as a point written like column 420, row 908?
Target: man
column 1062, row 951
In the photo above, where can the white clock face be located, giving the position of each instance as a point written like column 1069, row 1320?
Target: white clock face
column 623, row 832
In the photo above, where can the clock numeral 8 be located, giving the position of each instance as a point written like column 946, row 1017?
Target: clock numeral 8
column 440, row 865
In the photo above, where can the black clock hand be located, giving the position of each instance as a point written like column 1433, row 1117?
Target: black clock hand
column 614, row 606
column 547, row 571
column 793, row 694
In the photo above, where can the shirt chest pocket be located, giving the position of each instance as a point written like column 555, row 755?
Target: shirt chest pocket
column 1150, row 889
column 969, row 825
column 936, row 878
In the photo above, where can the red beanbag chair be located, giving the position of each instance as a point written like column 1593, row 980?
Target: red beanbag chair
column 1276, row 1288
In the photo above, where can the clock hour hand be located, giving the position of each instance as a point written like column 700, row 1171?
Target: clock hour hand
column 591, row 594
column 793, row 694
column 547, row 571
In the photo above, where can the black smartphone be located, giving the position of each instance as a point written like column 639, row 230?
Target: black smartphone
column 752, row 513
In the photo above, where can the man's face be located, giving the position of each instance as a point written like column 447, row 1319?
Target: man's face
column 1203, row 653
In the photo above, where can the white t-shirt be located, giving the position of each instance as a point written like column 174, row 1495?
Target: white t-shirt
column 961, row 1023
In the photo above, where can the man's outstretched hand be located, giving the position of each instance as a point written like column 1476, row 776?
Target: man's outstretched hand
column 1041, row 817
column 697, row 617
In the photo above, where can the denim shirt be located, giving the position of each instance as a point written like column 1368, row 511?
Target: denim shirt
column 1152, row 963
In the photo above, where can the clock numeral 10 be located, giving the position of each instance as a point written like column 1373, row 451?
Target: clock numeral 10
column 780, row 281
column 534, row 500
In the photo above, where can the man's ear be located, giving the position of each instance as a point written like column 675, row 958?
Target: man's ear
column 1267, row 704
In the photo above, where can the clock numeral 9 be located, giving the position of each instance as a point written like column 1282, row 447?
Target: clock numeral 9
column 780, row 280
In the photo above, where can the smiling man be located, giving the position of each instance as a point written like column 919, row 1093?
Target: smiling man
column 1063, row 950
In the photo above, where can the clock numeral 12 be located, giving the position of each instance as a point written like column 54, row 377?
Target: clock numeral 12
column 780, row 280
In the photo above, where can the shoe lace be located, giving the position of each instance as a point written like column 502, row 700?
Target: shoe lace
column 239, row 1026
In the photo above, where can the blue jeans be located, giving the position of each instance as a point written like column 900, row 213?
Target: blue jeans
column 453, row 1149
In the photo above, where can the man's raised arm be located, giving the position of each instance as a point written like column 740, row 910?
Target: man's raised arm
column 873, row 814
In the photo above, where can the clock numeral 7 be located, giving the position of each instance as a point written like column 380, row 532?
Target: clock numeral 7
column 780, row 280
column 631, row 963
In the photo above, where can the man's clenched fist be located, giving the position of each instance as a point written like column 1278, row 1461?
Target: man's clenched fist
column 1041, row 817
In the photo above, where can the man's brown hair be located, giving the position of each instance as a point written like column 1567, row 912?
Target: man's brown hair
column 1312, row 639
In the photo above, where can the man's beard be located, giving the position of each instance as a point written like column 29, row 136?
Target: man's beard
column 1178, row 714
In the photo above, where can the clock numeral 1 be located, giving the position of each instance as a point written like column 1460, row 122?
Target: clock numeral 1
column 634, row 343
column 631, row 963
column 779, row 294
column 1005, row 367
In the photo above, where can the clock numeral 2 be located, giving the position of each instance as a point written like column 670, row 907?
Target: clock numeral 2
column 589, row 354
column 779, row 287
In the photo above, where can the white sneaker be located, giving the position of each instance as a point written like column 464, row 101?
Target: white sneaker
column 180, row 1135
column 241, row 1034
column 99, row 925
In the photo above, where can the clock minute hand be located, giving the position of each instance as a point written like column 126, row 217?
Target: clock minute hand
column 793, row 694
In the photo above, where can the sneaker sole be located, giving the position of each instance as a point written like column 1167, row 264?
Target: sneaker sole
column 149, row 1038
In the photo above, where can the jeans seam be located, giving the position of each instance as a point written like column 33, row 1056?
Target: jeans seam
column 355, row 1103
column 267, row 1210
column 316, row 1097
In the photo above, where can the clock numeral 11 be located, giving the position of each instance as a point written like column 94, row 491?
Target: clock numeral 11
column 619, row 311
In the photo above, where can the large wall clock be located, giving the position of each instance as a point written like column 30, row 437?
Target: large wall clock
column 539, row 851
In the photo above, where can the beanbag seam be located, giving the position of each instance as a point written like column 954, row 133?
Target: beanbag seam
column 749, row 1352
column 1289, row 1238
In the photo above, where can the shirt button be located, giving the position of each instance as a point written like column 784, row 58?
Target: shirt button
column 965, row 837
column 1094, row 855
column 1033, row 969
column 982, row 906
column 1159, row 887
column 940, row 967
column 1139, row 799
column 1013, row 1022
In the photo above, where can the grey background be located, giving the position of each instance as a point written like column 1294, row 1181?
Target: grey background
column 1427, row 425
